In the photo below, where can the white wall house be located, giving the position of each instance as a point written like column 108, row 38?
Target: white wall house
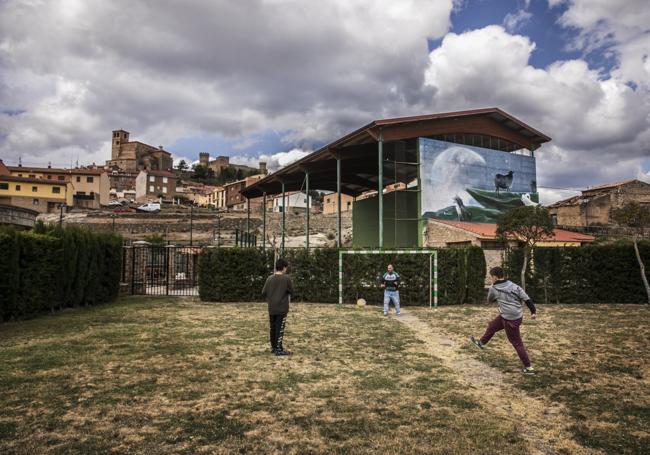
column 293, row 200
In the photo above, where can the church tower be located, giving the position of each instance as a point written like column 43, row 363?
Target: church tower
column 119, row 138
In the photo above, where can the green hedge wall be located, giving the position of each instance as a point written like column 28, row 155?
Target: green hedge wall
column 236, row 274
column 589, row 274
column 56, row 268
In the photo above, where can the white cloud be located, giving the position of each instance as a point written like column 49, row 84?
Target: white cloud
column 273, row 162
column 514, row 21
column 600, row 126
column 80, row 69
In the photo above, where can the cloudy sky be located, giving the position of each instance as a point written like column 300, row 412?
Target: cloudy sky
column 277, row 78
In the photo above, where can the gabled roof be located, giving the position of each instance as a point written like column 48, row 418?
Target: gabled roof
column 488, row 231
column 359, row 149
column 607, row 186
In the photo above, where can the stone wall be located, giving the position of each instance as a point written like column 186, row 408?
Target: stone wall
column 439, row 235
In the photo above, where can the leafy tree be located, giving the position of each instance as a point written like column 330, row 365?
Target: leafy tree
column 199, row 172
column 528, row 224
column 182, row 166
column 240, row 174
column 637, row 217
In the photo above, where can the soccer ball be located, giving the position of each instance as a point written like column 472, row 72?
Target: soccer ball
column 361, row 302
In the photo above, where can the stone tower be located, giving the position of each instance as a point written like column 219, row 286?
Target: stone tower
column 263, row 169
column 204, row 159
column 119, row 138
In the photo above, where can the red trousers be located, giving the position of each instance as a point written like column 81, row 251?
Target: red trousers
column 512, row 332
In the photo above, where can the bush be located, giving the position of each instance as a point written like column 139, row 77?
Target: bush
column 590, row 274
column 239, row 274
column 56, row 268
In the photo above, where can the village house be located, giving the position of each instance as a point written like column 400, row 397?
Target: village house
column 444, row 233
column 593, row 207
column 91, row 186
column 151, row 184
column 330, row 203
column 292, row 200
column 233, row 197
column 41, row 195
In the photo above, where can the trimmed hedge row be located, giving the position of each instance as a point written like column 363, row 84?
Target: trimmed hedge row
column 589, row 274
column 238, row 274
column 56, row 268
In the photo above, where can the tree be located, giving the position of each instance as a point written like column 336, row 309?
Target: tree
column 200, row 172
column 637, row 217
column 182, row 166
column 528, row 224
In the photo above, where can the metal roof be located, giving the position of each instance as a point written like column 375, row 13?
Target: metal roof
column 357, row 150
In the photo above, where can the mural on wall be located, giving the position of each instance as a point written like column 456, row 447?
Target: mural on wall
column 475, row 184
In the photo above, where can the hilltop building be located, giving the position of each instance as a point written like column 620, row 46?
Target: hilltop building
column 133, row 156
column 221, row 162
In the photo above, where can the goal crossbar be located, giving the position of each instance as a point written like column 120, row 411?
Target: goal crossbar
column 433, row 270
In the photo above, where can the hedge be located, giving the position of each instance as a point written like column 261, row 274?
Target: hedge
column 54, row 268
column 589, row 274
column 238, row 274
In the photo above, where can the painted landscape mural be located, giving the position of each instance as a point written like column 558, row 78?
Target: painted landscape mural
column 475, row 184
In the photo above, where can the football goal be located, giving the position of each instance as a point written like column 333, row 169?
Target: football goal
column 432, row 269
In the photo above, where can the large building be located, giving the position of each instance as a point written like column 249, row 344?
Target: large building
column 133, row 156
column 467, row 166
column 593, row 207
column 221, row 162
column 41, row 195
column 91, row 186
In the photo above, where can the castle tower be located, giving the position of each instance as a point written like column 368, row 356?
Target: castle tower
column 204, row 159
column 263, row 169
column 119, row 137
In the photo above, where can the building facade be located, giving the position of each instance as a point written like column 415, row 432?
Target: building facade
column 151, row 185
column 593, row 207
column 330, row 203
column 234, row 200
column 44, row 196
column 133, row 156
column 292, row 200
column 219, row 163
column 91, row 186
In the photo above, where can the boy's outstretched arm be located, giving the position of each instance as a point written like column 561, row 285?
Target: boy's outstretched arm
column 529, row 303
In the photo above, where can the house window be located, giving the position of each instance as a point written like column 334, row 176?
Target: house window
column 78, row 179
column 554, row 219
column 35, row 201
column 89, row 179
column 17, row 187
column 32, row 176
column 164, row 179
column 152, row 178
column 151, row 190
column 61, row 177
column 34, row 189
column 56, row 189
column 4, row 186
column 165, row 189
column 49, row 177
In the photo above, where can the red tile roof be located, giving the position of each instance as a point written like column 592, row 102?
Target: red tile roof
column 489, row 231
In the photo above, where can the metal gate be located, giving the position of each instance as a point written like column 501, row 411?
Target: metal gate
column 161, row 270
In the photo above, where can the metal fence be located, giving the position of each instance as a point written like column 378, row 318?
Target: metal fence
column 161, row 270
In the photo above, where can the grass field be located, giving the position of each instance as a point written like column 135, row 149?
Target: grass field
column 155, row 375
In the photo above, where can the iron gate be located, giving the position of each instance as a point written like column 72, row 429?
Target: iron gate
column 161, row 270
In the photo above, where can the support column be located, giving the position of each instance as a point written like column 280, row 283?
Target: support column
column 380, row 187
column 307, row 211
column 248, row 221
column 264, row 221
column 284, row 213
column 339, row 243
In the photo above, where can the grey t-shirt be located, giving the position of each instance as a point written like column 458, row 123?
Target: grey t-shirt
column 510, row 299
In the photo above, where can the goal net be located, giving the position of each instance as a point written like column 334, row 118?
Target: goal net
column 360, row 271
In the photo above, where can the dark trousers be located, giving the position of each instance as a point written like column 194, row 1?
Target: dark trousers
column 512, row 332
column 276, row 324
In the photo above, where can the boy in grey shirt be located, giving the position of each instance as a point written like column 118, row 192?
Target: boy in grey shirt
column 510, row 299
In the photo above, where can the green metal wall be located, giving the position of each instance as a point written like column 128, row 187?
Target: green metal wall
column 401, row 227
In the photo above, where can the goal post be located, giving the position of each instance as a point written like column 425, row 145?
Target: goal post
column 433, row 269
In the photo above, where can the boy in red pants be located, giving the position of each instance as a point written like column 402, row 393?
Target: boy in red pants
column 509, row 298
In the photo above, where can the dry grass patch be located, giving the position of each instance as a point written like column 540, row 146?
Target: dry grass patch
column 177, row 376
column 593, row 359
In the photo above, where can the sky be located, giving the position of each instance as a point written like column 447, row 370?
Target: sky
column 274, row 79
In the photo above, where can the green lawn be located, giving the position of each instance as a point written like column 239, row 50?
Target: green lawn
column 156, row 375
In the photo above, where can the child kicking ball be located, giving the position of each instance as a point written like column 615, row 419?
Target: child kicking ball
column 510, row 299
